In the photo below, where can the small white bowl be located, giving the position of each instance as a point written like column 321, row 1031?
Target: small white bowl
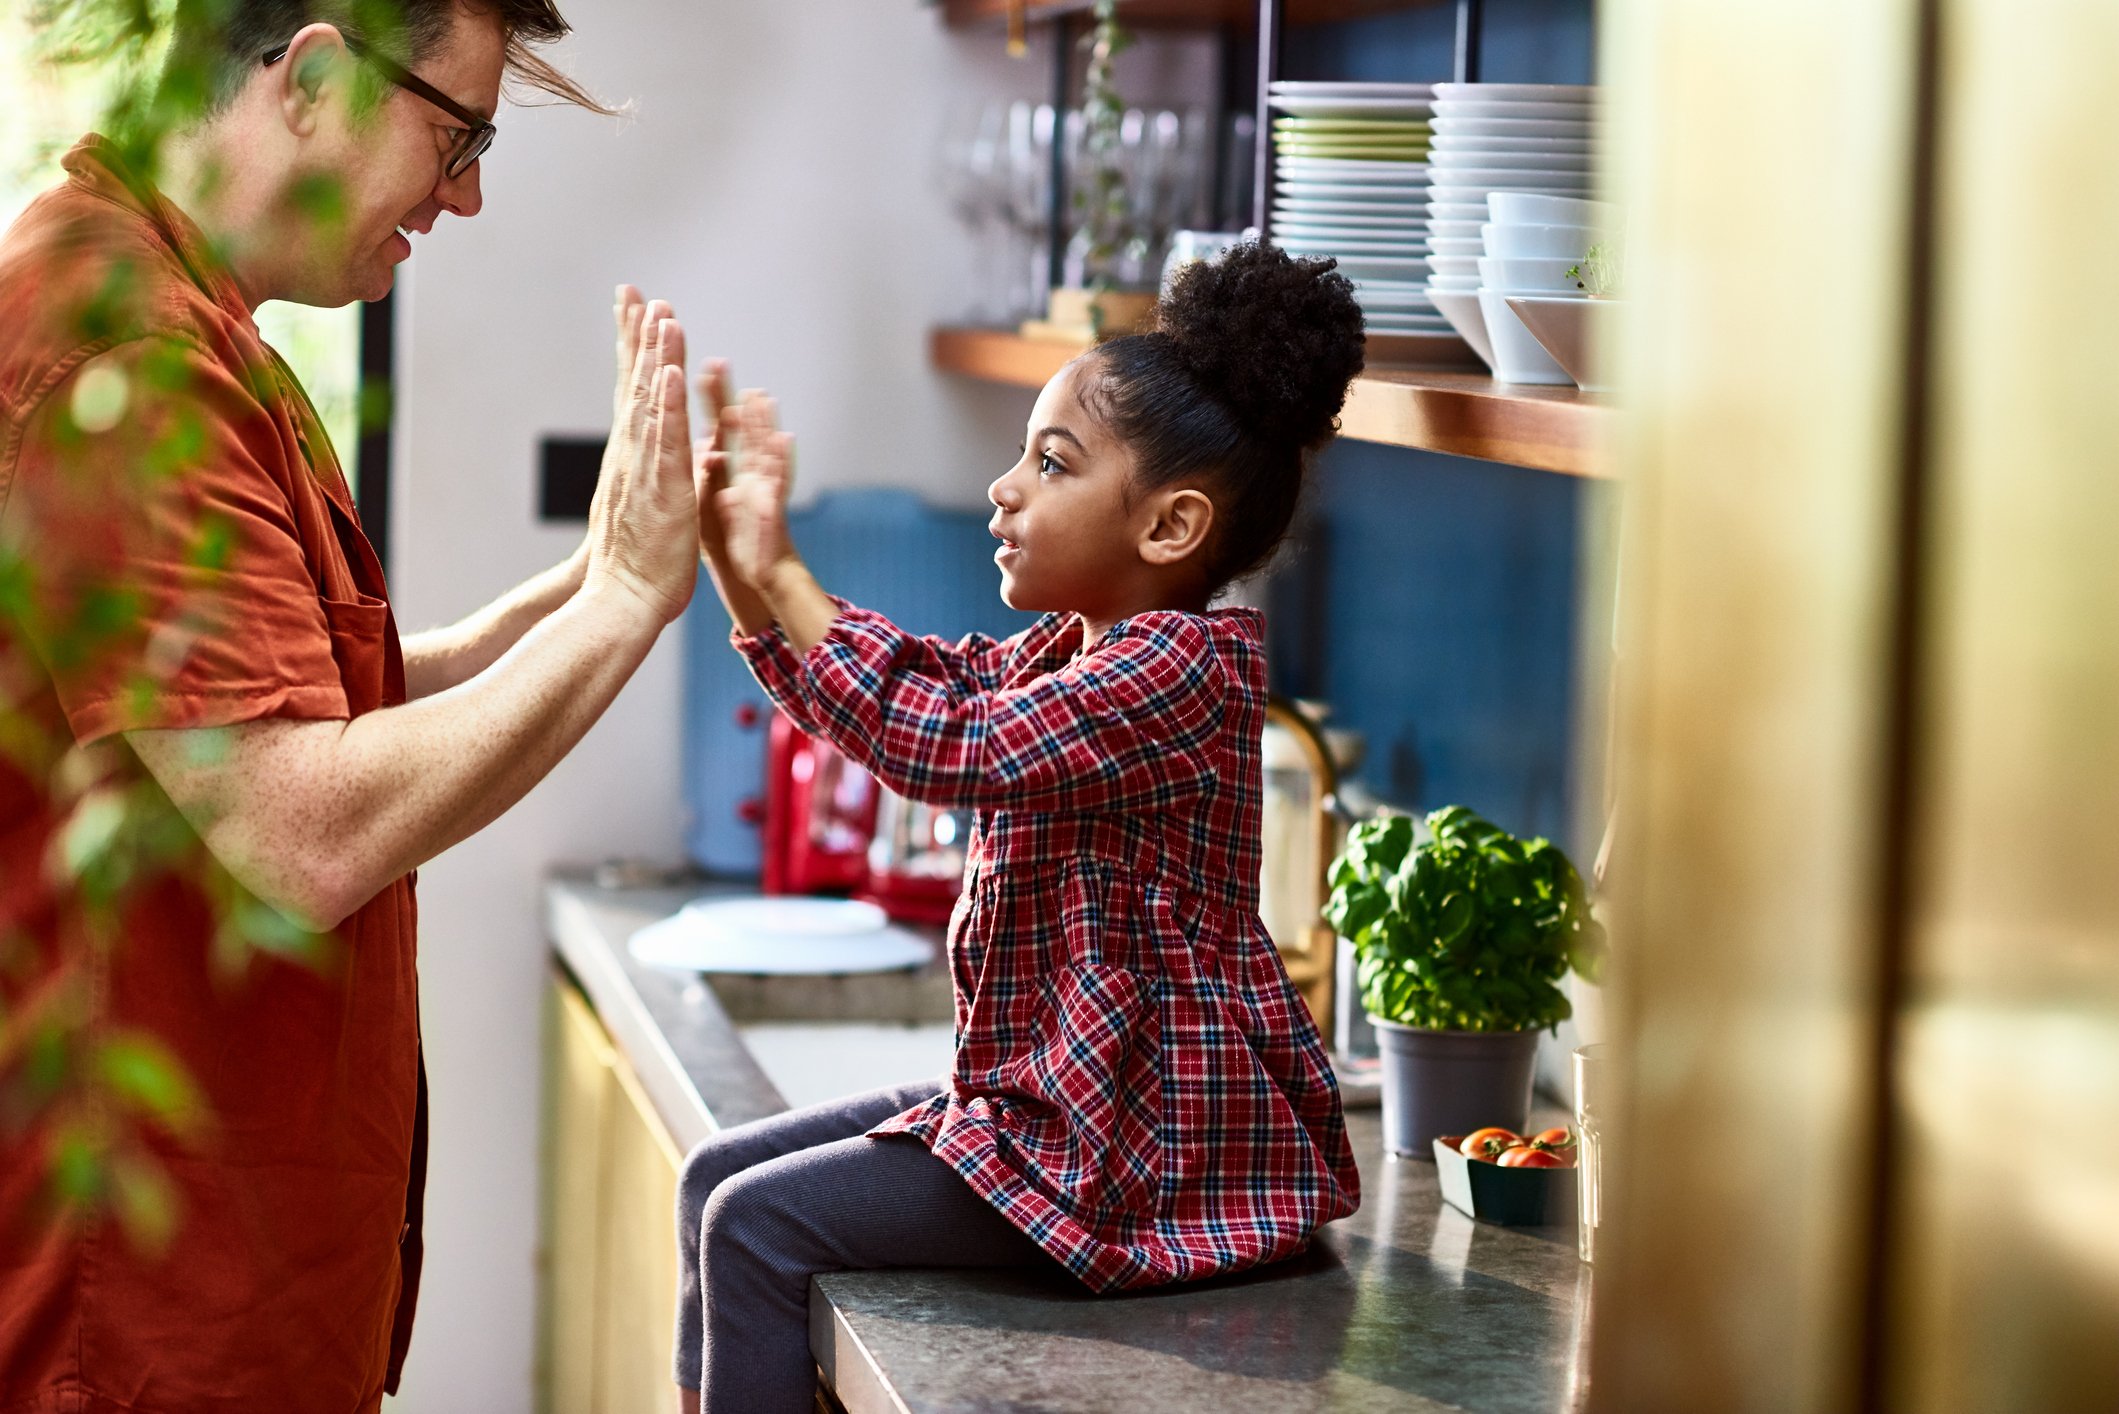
column 1457, row 230
column 1472, row 246
column 1453, row 282
column 1461, row 309
column 1531, row 209
column 1517, row 356
column 1570, row 330
column 1455, row 265
column 1528, row 277
column 1510, row 242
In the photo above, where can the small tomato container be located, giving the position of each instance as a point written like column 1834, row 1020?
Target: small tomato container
column 1516, row 1197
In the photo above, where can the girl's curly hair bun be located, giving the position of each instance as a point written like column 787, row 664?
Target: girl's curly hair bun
column 1275, row 338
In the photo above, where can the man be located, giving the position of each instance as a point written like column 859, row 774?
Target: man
column 190, row 615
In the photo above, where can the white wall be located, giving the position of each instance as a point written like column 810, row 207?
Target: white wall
column 775, row 183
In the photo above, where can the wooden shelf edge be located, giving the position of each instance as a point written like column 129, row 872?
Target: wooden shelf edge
column 1456, row 413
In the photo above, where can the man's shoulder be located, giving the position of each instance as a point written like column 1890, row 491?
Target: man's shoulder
column 81, row 274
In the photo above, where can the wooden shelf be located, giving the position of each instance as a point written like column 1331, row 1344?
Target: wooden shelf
column 974, row 14
column 1462, row 414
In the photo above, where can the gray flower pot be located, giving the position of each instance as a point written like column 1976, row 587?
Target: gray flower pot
column 1451, row 1082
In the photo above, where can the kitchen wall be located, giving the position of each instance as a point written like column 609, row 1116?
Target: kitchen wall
column 775, row 181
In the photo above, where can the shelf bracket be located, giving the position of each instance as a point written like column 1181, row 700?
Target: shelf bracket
column 1471, row 17
column 1272, row 16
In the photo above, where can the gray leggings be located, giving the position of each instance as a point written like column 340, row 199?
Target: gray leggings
column 763, row 1207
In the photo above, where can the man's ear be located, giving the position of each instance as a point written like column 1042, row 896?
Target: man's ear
column 317, row 64
column 1183, row 519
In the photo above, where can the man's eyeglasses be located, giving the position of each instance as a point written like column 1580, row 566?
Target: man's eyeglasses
column 472, row 139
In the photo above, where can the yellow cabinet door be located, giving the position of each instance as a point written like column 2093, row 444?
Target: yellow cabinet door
column 609, row 1268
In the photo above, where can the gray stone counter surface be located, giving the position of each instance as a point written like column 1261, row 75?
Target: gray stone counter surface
column 1407, row 1305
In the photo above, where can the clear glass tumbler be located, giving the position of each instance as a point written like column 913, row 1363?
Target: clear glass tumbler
column 1594, row 1081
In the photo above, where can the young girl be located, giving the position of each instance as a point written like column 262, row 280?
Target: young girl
column 1138, row 1094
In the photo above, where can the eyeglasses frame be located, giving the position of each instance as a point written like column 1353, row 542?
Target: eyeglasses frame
column 478, row 133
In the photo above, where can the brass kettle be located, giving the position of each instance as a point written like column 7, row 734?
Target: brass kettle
column 1301, row 827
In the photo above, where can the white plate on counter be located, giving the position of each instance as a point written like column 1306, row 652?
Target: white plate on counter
column 779, row 936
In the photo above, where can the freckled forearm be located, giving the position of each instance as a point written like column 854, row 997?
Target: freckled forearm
column 317, row 817
column 441, row 658
column 425, row 776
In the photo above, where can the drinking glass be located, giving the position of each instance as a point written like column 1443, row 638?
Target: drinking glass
column 1595, row 1079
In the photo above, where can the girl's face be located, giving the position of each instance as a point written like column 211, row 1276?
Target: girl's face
column 1069, row 540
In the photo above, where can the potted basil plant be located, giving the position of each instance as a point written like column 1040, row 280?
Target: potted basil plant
column 1460, row 939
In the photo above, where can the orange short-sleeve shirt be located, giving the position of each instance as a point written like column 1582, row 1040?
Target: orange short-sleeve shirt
column 178, row 549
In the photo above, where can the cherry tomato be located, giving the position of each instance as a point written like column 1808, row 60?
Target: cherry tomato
column 1561, row 1138
column 1487, row 1142
column 1525, row 1157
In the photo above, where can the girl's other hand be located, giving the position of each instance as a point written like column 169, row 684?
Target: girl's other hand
column 711, row 456
column 754, row 509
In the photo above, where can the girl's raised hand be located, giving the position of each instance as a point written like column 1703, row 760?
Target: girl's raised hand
column 754, row 508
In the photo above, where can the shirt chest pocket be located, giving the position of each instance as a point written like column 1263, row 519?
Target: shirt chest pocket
column 363, row 634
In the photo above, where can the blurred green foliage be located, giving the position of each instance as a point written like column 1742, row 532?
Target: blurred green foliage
column 101, row 1104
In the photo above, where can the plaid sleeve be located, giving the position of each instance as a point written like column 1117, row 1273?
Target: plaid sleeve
column 1130, row 725
column 778, row 669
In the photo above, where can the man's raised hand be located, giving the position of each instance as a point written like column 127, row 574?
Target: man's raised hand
column 644, row 524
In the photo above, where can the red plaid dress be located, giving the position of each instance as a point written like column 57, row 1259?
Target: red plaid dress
column 1137, row 1085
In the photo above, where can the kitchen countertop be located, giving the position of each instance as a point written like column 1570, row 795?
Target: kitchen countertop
column 1406, row 1305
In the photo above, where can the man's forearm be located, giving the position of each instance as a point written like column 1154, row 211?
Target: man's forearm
column 441, row 658
column 387, row 791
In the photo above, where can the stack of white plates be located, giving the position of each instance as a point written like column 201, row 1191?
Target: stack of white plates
column 1351, row 182
column 1518, row 138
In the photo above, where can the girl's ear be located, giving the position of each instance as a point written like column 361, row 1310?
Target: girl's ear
column 1183, row 519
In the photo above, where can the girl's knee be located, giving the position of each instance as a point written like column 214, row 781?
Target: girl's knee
column 741, row 1212
column 706, row 1169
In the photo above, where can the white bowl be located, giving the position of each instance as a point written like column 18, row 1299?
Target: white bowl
column 1472, row 211
column 1456, row 230
column 1455, row 264
column 1461, row 309
column 1528, row 209
column 1510, row 242
column 1453, row 282
column 1471, row 246
column 1570, row 330
column 1517, row 356
column 1528, row 277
